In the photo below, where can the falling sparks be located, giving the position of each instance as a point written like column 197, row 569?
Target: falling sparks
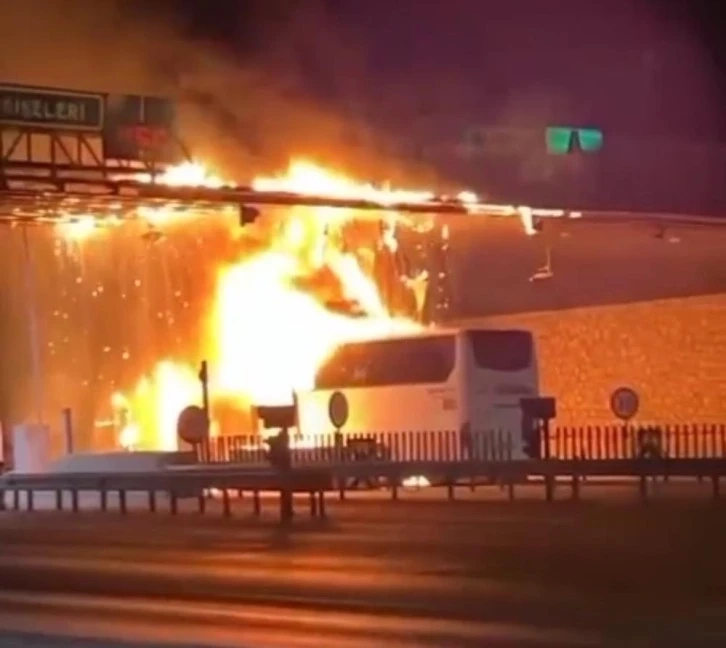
column 302, row 177
column 78, row 228
column 269, row 327
column 269, row 324
column 265, row 336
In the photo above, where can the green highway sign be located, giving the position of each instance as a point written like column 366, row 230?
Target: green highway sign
column 563, row 140
column 31, row 106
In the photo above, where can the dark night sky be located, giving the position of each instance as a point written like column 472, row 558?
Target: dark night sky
column 635, row 66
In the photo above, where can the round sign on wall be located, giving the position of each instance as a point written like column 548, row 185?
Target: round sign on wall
column 192, row 425
column 624, row 403
column 338, row 409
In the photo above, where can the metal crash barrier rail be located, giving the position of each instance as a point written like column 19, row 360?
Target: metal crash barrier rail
column 190, row 482
column 197, row 483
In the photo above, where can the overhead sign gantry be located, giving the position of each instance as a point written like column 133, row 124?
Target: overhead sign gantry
column 66, row 153
column 61, row 150
column 83, row 130
column 69, row 153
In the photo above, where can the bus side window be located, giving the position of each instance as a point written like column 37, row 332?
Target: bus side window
column 383, row 363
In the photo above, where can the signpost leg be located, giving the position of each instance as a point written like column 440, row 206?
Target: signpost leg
column 286, row 496
column 68, row 429
column 30, row 301
column 204, row 379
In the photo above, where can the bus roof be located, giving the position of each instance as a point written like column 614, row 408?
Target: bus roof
column 437, row 332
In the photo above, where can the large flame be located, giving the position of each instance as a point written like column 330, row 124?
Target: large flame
column 188, row 174
column 269, row 327
column 305, row 178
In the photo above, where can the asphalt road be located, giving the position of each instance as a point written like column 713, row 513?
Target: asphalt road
column 474, row 572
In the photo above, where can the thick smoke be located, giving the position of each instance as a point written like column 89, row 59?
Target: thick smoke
column 294, row 88
column 109, row 307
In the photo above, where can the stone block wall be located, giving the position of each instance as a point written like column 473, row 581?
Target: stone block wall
column 671, row 351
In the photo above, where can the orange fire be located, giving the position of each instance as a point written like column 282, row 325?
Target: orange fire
column 305, row 178
column 266, row 335
column 188, row 174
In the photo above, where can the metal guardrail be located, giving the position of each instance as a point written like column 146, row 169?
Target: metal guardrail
column 340, row 463
column 513, row 472
column 175, row 484
column 198, row 482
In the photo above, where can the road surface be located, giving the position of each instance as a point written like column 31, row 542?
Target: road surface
column 408, row 573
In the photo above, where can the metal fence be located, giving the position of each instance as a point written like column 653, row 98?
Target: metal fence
column 574, row 442
column 633, row 441
column 424, row 445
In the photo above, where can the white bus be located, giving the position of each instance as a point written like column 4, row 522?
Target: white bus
column 466, row 383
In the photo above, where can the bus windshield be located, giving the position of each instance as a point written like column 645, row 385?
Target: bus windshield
column 502, row 350
column 398, row 361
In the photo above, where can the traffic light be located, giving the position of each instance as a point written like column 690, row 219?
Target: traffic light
column 564, row 140
column 531, row 437
column 279, row 451
column 536, row 415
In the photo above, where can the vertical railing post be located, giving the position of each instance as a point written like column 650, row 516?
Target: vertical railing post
column 321, row 504
column 226, row 509
column 677, row 441
column 576, row 481
column 608, row 442
column 313, row 504
column 597, row 446
column 589, row 454
column 643, row 485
